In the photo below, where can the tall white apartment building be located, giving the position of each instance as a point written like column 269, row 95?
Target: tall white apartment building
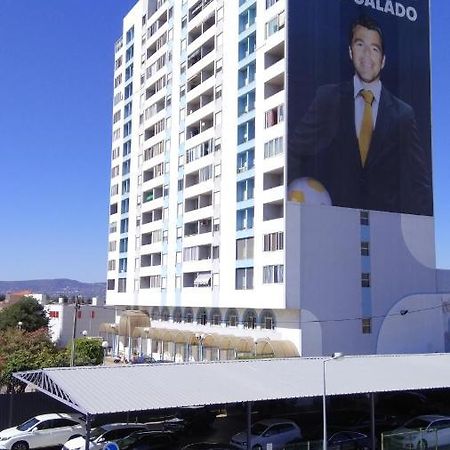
column 197, row 223
column 196, row 209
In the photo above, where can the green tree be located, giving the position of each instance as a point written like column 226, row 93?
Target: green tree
column 88, row 352
column 27, row 311
column 21, row 350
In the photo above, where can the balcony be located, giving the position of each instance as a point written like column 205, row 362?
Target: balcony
column 152, row 216
column 274, row 85
column 198, row 227
column 200, row 101
column 196, row 32
column 198, row 202
column 198, row 8
column 273, row 210
column 200, row 53
column 153, row 259
column 199, row 126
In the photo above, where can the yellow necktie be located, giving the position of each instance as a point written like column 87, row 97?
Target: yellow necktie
column 365, row 134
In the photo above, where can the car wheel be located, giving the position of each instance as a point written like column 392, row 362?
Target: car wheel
column 422, row 445
column 20, row 445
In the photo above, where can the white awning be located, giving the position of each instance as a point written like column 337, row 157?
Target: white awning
column 202, row 279
column 88, row 389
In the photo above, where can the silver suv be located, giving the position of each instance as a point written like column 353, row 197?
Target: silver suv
column 277, row 432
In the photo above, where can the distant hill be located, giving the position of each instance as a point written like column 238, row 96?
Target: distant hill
column 55, row 288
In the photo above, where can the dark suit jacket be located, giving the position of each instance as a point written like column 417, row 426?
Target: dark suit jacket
column 324, row 146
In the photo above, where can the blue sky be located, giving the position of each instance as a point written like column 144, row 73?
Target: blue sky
column 55, row 121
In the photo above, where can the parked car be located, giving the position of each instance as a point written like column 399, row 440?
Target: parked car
column 348, row 440
column 277, row 432
column 148, row 440
column 421, row 432
column 341, row 440
column 105, row 433
column 45, row 430
column 167, row 423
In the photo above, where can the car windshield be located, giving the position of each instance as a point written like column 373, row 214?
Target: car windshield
column 28, row 424
column 258, row 429
column 128, row 440
column 416, row 423
column 96, row 433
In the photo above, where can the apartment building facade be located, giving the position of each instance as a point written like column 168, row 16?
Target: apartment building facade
column 198, row 207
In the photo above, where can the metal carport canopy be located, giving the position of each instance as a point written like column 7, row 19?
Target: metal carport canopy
column 110, row 389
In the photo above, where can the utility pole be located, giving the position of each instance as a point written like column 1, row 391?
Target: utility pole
column 76, row 308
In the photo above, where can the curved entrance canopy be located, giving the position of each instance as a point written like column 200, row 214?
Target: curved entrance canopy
column 140, row 328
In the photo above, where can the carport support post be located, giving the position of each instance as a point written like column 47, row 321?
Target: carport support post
column 87, row 439
column 372, row 420
column 249, row 423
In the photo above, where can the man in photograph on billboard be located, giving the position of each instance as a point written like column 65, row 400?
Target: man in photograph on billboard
column 357, row 142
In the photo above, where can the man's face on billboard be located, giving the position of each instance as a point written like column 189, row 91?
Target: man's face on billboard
column 366, row 53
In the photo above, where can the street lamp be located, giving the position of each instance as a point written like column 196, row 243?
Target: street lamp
column 324, row 396
column 84, row 333
column 19, row 325
column 105, row 346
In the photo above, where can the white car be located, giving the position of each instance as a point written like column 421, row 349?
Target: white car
column 45, row 430
column 422, row 432
column 105, row 433
column 277, row 432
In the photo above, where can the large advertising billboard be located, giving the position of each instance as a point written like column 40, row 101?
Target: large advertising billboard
column 359, row 119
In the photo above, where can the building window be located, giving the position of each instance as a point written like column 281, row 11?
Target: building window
column 129, row 35
column 125, row 205
column 245, row 189
column 127, row 129
column 122, row 285
column 364, row 248
column 128, row 72
column 273, row 241
column 366, row 325
column 244, row 219
column 273, row 274
column 123, row 245
column 365, row 280
column 270, row 3
column 274, row 116
column 127, row 109
column 273, row 147
column 126, row 165
column 126, row 148
column 128, row 90
column 123, row 265
column 364, row 217
column 244, row 248
column 129, row 53
column 244, row 278
column 113, row 209
column 111, row 284
column 124, row 226
column 245, row 160
column 275, row 24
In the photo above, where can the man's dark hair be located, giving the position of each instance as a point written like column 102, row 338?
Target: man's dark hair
column 370, row 24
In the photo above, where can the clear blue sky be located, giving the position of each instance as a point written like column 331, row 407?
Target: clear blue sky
column 55, row 122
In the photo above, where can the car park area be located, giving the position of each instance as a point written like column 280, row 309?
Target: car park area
column 246, row 392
